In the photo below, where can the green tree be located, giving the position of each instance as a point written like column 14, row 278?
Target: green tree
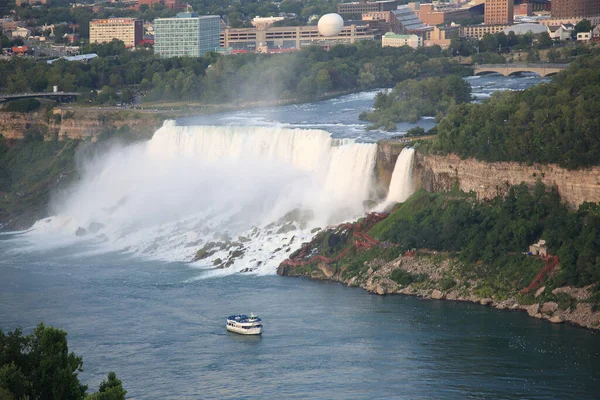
column 323, row 81
column 110, row 389
column 39, row 366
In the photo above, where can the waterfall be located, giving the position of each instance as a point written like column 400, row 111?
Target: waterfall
column 402, row 185
column 193, row 185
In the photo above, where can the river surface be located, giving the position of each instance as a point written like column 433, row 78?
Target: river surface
column 339, row 116
column 161, row 325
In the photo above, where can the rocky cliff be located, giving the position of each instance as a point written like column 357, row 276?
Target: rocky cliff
column 564, row 304
column 488, row 180
column 75, row 124
column 387, row 154
column 438, row 173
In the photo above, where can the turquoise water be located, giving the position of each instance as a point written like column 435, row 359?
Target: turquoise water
column 161, row 328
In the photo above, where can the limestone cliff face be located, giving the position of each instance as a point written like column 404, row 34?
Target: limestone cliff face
column 79, row 124
column 13, row 125
column 488, row 180
column 387, row 154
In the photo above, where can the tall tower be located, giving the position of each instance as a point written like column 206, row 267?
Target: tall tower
column 498, row 12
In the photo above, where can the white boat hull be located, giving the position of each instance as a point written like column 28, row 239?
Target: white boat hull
column 243, row 331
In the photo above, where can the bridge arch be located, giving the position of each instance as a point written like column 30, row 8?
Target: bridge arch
column 543, row 70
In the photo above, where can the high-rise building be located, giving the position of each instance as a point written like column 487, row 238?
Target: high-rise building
column 498, row 12
column 128, row 30
column 563, row 9
column 186, row 35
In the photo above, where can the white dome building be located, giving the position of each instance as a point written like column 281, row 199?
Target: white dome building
column 330, row 25
column 522, row 29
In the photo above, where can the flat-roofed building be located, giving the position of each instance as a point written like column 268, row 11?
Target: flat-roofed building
column 565, row 9
column 498, row 12
column 278, row 39
column 187, row 34
column 128, row 30
column 441, row 36
column 438, row 14
column 391, row 39
column 478, row 31
column 404, row 20
column 359, row 7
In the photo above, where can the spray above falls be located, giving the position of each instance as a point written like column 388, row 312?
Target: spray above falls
column 256, row 192
column 232, row 197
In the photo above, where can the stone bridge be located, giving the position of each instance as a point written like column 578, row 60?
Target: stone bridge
column 510, row 69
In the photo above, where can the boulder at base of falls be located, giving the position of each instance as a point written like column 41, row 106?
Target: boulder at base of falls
column 80, row 232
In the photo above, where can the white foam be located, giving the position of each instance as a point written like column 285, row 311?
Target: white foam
column 190, row 185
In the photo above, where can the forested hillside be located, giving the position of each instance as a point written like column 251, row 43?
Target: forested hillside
column 556, row 122
column 490, row 232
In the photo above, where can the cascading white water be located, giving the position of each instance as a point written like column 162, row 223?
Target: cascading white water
column 193, row 185
column 402, row 185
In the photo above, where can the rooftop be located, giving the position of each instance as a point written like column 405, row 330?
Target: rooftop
column 392, row 35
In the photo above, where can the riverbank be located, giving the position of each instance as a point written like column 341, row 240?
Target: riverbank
column 442, row 277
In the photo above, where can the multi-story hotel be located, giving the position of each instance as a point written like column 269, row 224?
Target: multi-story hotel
column 564, row 9
column 128, row 30
column 499, row 12
column 186, row 35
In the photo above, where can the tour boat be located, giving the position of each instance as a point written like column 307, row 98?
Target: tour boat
column 244, row 325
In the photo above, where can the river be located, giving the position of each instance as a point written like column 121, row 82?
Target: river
column 160, row 323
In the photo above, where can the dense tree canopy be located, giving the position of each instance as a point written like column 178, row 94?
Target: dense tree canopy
column 489, row 231
column 214, row 78
column 39, row 366
column 411, row 99
column 556, row 122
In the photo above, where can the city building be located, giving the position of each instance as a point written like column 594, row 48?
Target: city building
column 565, row 9
column 404, row 20
column 359, row 7
column 561, row 32
column 378, row 21
column 288, row 38
column 439, row 13
column 524, row 9
column 172, row 4
column 128, row 30
column 478, row 31
column 584, row 36
column 527, row 28
column 391, row 39
column 498, row 12
column 187, row 34
column 71, row 38
column 21, row 33
column 441, row 36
